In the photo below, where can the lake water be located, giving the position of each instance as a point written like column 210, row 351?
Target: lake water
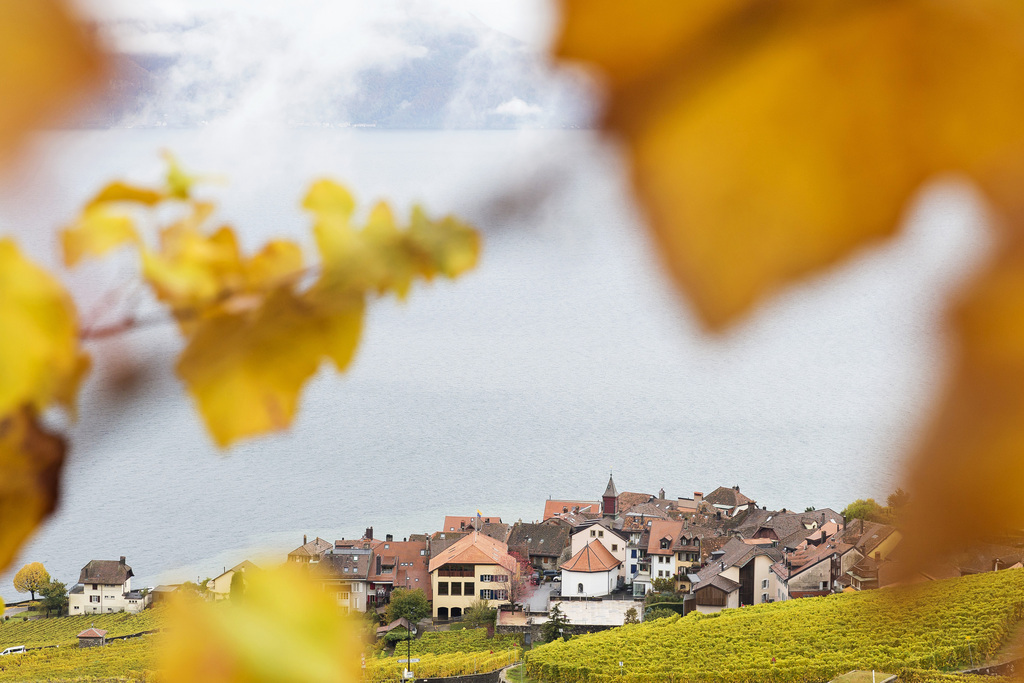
column 563, row 356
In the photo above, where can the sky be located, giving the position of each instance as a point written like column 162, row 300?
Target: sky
column 400, row 64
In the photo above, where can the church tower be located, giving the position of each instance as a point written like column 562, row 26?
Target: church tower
column 610, row 500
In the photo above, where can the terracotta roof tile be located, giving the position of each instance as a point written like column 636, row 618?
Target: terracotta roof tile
column 592, row 558
column 92, row 633
column 475, row 548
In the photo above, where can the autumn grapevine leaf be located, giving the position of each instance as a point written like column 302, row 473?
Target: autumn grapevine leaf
column 258, row 327
column 770, row 139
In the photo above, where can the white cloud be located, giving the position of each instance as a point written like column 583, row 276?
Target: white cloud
column 517, row 107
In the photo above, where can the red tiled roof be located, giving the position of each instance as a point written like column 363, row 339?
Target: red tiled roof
column 553, row 508
column 474, row 548
column 593, row 558
column 92, row 633
column 663, row 528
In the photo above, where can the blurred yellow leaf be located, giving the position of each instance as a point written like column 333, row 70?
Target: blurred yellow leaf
column 283, row 629
column 769, row 139
column 46, row 60
column 40, row 358
column 30, row 460
column 119, row 191
column 98, row 230
column 246, row 369
column 277, row 262
column 975, row 451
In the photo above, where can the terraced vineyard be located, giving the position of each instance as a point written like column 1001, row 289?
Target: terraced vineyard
column 451, row 664
column 941, row 625
column 463, row 640
column 63, row 630
column 129, row 660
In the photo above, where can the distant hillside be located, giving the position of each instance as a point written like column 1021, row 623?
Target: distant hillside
column 939, row 625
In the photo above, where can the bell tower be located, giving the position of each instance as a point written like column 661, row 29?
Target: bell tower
column 610, row 499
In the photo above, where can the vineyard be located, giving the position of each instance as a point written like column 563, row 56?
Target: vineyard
column 130, row 660
column 941, row 625
column 464, row 640
column 63, row 630
column 430, row 665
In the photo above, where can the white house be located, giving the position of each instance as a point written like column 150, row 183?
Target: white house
column 105, row 586
column 612, row 539
column 592, row 572
column 220, row 587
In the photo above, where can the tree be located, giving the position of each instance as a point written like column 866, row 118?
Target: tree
column 898, row 499
column 237, row 589
column 809, row 508
column 663, row 585
column 409, row 603
column 55, row 597
column 31, row 578
column 868, row 510
column 632, row 617
column 557, row 625
column 517, row 584
column 661, row 613
column 479, row 613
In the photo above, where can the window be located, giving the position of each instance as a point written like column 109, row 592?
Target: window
column 600, row 534
column 764, row 597
column 94, row 598
column 469, row 589
column 632, row 569
column 486, row 594
column 593, row 533
column 423, row 552
column 94, row 586
column 579, row 588
column 824, row 585
column 344, row 596
column 633, row 555
column 456, row 588
column 615, row 547
column 493, row 578
column 442, row 588
column 764, row 583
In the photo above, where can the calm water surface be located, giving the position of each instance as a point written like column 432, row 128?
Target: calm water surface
column 563, row 356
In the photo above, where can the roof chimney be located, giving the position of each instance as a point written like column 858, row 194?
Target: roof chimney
column 369, row 533
column 389, row 538
column 121, row 561
column 304, row 541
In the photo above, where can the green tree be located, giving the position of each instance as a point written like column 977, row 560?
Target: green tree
column 898, row 499
column 556, row 626
column 411, row 604
column 237, row 590
column 664, row 585
column 809, row 508
column 30, row 578
column 661, row 613
column 869, row 510
column 55, row 597
column 479, row 613
column 632, row 617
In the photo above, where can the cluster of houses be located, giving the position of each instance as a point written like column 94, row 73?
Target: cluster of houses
column 599, row 557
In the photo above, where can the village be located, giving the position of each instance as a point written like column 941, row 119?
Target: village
column 596, row 563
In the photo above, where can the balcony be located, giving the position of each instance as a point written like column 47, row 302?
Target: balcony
column 455, row 572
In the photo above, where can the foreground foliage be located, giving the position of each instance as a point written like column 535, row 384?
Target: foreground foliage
column 938, row 625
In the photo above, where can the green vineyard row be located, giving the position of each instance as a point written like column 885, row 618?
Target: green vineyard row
column 63, row 630
column 431, row 666
column 132, row 659
column 941, row 625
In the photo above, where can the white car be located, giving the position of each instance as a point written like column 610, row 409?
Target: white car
column 18, row 649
